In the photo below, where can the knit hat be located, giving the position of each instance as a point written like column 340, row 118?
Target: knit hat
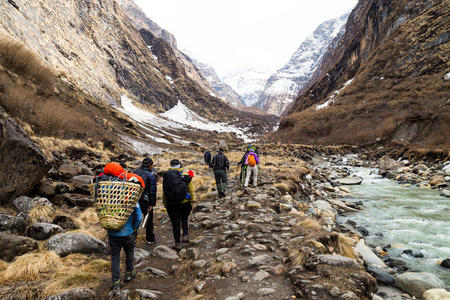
column 175, row 163
column 147, row 162
column 220, row 150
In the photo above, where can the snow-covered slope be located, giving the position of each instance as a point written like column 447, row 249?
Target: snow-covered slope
column 172, row 125
column 248, row 83
column 283, row 86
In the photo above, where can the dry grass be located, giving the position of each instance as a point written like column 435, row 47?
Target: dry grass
column 30, row 267
column 71, row 279
column 97, row 266
column 21, row 291
column 42, row 212
column 308, row 224
column 3, row 265
column 89, row 216
column 20, row 60
column 215, row 269
column 75, row 260
column 346, row 246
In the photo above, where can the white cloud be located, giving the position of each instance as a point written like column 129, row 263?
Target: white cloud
column 236, row 34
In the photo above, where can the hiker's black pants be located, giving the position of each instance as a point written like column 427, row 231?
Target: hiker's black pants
column 149, row 228
column 221, row 180
column 116, row 244
column 179, row 216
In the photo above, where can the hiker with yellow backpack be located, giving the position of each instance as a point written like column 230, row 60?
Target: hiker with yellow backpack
column 251, row 162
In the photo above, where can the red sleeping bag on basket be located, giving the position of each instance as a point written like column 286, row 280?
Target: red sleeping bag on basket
column 117, row 170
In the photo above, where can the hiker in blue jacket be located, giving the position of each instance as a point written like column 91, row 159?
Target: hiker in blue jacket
column 124, row 238
column 148, row 198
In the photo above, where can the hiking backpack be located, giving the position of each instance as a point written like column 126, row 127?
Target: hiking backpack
column 174, row 187
column 251, row 160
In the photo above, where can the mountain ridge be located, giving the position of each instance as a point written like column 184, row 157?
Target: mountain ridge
column 283, row 86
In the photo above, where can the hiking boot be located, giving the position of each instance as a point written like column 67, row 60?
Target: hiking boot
column 177, row 246
column 129, row 276
column 116, row 287
column 185, row 239
column 151, row 242
column 222, row 193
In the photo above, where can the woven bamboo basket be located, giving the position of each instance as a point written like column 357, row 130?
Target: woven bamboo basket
column 114, row 202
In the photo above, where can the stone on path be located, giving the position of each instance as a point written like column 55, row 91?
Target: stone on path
column 74, row 294
column 253, row 205
column 265, row 291
column 261, row 275
column 165, row 252
column 239, row 296
column 154, row 272
column 148, row 294
column 258, row 260
column 416, row 283
column 66, row 243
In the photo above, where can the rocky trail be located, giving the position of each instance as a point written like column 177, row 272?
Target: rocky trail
column 279, row 240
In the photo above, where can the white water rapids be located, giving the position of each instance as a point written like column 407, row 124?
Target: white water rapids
column 408, row 217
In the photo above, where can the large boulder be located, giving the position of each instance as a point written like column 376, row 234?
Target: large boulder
column 387, row 164
column 22, row 163
column 66, row 243
column 416, row 283
column 74, row 294
column 25, row 204
column 350, row 180
column 13, row 245
column 69, row 170
column 42, row 231
column 13, row 224
column 65, row 222
column 436, row 294
column 437, row 180
column 368, row 256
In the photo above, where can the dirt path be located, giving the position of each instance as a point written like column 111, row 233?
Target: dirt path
column 235, row 250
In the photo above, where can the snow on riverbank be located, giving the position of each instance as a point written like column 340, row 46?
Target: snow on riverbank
column 178, row 117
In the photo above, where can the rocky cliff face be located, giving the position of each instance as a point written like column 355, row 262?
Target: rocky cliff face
column 283, row 86
column 386, row 79
column 141, row 21
column 220, row 88
column 93, row 45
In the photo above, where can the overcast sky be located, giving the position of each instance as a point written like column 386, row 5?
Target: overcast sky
column 236, row 34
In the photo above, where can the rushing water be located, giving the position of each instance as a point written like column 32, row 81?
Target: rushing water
column 408, row 217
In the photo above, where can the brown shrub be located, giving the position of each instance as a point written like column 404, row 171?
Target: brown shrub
column 20, row 60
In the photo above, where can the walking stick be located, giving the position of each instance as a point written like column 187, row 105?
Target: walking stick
column 145, row 221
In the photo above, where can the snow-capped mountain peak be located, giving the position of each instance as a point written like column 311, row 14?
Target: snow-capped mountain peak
column 283, row 86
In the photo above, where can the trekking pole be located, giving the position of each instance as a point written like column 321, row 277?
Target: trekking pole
column 144, row 223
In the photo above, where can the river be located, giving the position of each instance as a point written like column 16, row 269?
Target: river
column 408, row 218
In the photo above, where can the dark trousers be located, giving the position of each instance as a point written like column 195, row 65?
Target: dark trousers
column 116, row 244
column 221, row 180
column 179, row 217
column 149, row 228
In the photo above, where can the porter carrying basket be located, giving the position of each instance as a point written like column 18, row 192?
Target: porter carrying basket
column 114, row 202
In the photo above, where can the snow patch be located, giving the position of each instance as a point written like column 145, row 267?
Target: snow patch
column 331, row 99
column 178, row 117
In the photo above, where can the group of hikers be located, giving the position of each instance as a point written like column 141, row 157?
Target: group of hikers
column 178, row 195
column 221, row 165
